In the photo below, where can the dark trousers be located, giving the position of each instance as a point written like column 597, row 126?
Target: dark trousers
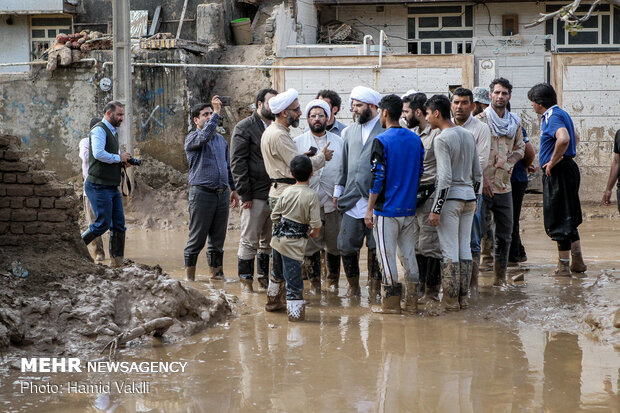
column 500, row 205
column 208, row 218
column 285, row 268
column 561, row 205
column 517, row 251
column 108, row 207
column 351, row 236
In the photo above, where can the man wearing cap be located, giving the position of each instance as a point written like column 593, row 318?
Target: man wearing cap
column 481, row 99
column 278, row 149
column 318, row 114
column 353, row 187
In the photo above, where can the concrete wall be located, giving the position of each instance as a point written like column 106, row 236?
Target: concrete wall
column 39, row 6
column 50, row 113
column 14, row 42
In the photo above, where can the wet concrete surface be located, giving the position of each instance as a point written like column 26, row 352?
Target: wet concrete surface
column 529, row 347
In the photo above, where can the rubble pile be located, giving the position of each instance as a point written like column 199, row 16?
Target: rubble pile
column 68, row 48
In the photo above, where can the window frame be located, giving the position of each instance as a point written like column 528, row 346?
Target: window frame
column 46, row 39
column 465, row 44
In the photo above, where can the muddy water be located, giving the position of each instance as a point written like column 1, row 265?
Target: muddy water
column 522, row 349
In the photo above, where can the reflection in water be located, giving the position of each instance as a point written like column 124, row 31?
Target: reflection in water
column 562, row 383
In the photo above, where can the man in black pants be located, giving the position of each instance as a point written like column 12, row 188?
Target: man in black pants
column 561, row 179
column 614, row 173
column 209, row 194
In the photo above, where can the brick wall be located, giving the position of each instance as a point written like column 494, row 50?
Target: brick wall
column 34, row 206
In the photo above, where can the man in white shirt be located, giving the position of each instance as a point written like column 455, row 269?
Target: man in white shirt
column 84, row 146
column 352, row 189
column 318, row 114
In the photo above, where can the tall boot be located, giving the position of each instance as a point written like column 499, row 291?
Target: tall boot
column 500, row 274
column 411, row 297
column 563, row 269
column 190, row 267
column 374, row 276
column 352, row 271
column 262, row 270
column 296, row 309
column 390, row 299
column 245, row 269
column 450, row 284
column 577, row 264
column 215, row 259
column 464, row 282
column 276, row 293
column 487, row 250
column 333, row 272
column 117, row 248
column 432, row 277
column 421, row 260
column 312, row 264
column 475, row 271
column 88, row 236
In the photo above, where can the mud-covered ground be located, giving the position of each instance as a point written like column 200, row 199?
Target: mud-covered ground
column 546, row 344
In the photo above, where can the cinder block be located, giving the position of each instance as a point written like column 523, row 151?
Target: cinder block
column 24, row 215
column 19, row 190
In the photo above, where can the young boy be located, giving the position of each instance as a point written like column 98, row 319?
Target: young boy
column 296, row 216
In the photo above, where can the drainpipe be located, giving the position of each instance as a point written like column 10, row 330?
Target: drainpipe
column 44, row 62
column 365, row 45
column 381, row 40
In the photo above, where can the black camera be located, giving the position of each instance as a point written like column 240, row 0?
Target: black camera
column 134, row 161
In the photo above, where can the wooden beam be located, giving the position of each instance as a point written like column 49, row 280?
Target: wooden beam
column 182, row 17
column 155, row 22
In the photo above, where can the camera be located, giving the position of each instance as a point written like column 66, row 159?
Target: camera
column 134, row 161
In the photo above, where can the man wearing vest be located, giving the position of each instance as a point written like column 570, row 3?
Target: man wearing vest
column 104, row 177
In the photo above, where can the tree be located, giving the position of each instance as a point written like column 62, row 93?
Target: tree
column 572, row 22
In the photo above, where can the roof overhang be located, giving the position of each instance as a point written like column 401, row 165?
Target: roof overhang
column 25, row 7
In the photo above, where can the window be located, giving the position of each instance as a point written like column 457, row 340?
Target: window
column 440, row 29
column 601, row 32
column 43, row 32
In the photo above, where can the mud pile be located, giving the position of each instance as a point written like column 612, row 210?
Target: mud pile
column 53, row 297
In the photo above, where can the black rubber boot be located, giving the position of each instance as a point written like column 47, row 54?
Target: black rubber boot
column 312, row 264
column 333, row 272
column 190, row 267
column 475, row 271
column 216, row 260
column 352, row 271
column 421, row 260
column 117, row 248
column 88, row 236
column 245, row 269
column 374, row 276
column 465, row 267
column 262, row 270
column 450, row 274
column 390, row 299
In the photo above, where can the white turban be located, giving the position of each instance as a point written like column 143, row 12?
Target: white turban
column 364, row 94
column 282, row 101
column 318, row 103
column 409, row 92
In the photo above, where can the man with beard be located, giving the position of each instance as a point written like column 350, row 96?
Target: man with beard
column 279, row 149
column 392, row 205
column 211, row 190
column 507, row 148
column 104, row 177
column 352, row 189
column 318, row 114
column 252, row 181
column 334, row 101
column 462, row 107
column 428, row 252
column 481, row 100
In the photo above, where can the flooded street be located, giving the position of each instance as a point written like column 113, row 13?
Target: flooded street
column 526, row 348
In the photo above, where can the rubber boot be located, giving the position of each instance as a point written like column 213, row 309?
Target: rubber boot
column 576, row 263
column 465, row 267
column 352, row 271
column 421, row 260
column 450, row 285
column 190, row 267
column 374, row 276
column 432, row 305
column 333, row 272
column 475, row 271
column 312, row 264
column 245, row 269
column 411, row 297
column 262, row 270
column 215, row 260
column 432, row 277
column 487, row 250
column 88, row 236
column 296, row 309
column 275, row 296
column 117, row 248
column 500, row 275
column 390, row 299
column 563, row 269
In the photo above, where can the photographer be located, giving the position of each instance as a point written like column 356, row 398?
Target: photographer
column 104, row 177
column 212, row 188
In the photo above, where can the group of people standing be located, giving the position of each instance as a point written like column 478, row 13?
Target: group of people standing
column 420, row 180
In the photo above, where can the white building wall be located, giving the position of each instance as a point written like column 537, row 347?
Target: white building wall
column 307, row 22
column 14, row 42
column 39, row 6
